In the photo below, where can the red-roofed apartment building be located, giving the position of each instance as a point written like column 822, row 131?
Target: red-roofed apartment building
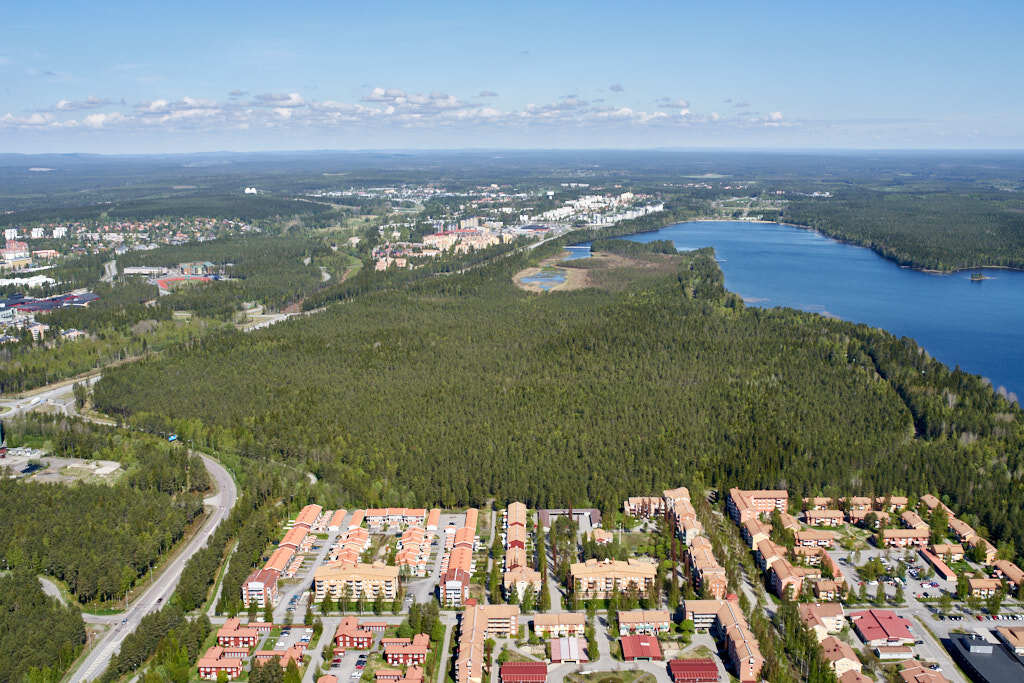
column 349, row 635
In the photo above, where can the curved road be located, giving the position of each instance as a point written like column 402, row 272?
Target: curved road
column 163, row 586
column 159, row 591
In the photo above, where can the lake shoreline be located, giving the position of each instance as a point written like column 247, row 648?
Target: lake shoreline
column 776, row 264
column 921, row 269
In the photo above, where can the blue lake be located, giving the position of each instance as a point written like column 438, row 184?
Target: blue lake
column 976, row 325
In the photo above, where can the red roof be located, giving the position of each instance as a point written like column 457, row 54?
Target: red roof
column 524, row 672
column 696, row 670
column 640, row 647
column 881, row 624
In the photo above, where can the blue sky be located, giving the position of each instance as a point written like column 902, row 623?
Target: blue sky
column 188, row 76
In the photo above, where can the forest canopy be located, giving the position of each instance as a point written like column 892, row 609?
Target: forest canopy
column 459, row 388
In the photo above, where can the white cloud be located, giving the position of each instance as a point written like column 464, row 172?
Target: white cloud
column 91, row 102
column 672, row 103
column 102, row 119
column 292, row 99
column 775, row 116
column 32, row 120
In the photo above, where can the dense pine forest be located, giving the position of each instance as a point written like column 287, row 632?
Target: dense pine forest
column 945, row 230
column 98, row 538
column 39, row 637
column 456, row 388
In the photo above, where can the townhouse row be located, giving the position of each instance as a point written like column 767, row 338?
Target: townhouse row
column 517, row 574
column 260, row 587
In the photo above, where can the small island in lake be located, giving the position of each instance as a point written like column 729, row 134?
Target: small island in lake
column 978, row 277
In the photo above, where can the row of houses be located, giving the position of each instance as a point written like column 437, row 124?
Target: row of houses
column 517, row 573
column 378, row 517
column 725, row 621
column 260, row 587
column 707, row 574
column 234, row 643
column 478, row 623
column 414, row 550
column 459, row 562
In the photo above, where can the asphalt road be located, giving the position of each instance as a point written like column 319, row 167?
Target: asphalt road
column 162, row 587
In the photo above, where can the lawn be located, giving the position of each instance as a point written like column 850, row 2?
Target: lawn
column 612, row 677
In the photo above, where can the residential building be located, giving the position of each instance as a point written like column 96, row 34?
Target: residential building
column 515, row 515
column 1005, row 569
column 601, row 578
column 744, row 505
column 213, row 662
column 707, row 573
column 824, row 517
column 931, row 502
column 232, row 634
column 754, row 531
column 356, row 581
column 891, row 503
column 912, row 520
column 815, row 537
column 840, row 656
column 284, row 657
column 951, row 551
column 412, row 651
column 818, row 503
column 649, row 622
column 521, row 579
column 913, row 671
column 1013, row 638
column 261, row 587
column 859, row 517
column 962, row 530
column 308, row 516
column 984, row 588
column 433, row 519
column 822, row 618
column 559, row 624
column 350, row 636
column 905, row 538
column 602, row 537
column 454, row 587
column 727, row 624
column 644, row 507
column 990, row 552
column 337, row 517
column 478, row 623
column 857, row 503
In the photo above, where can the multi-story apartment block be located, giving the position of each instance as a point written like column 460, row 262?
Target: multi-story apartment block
column 601, row 578
column 356, row 581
